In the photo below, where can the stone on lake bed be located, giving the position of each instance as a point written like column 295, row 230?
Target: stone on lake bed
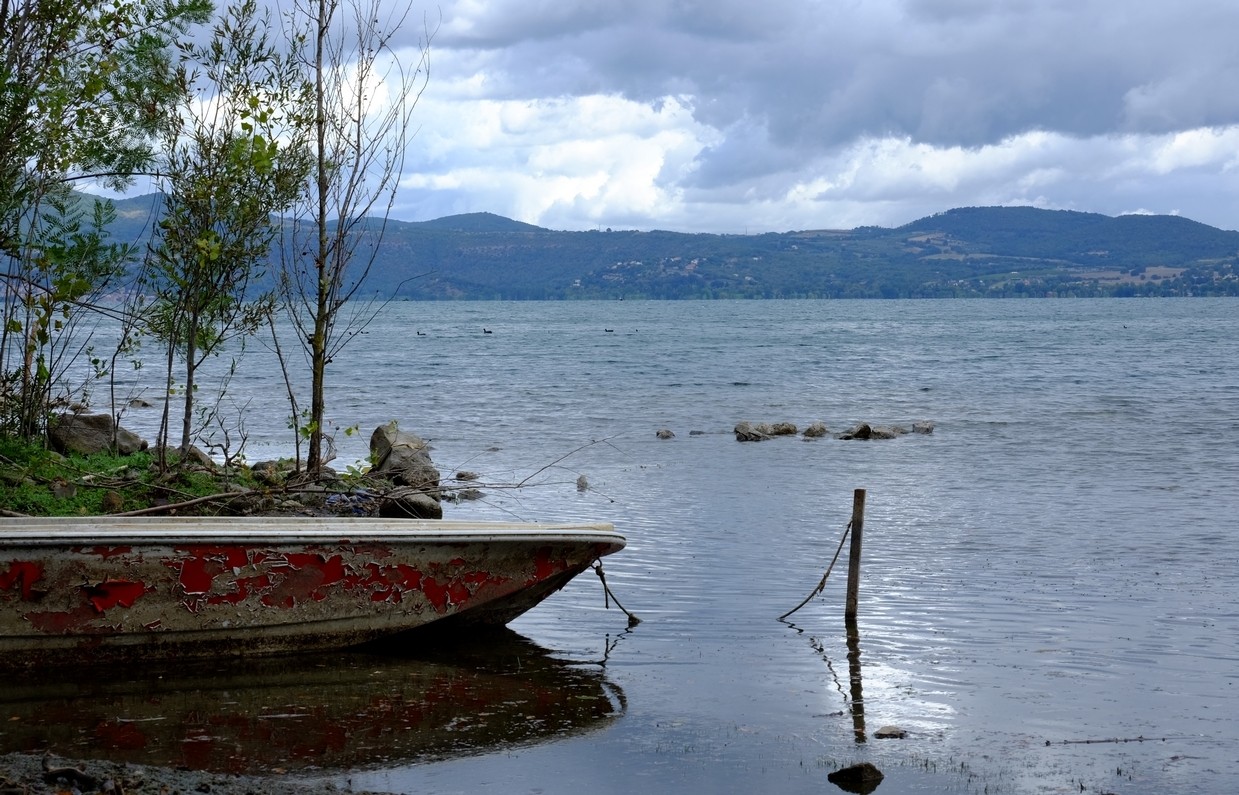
column 890, row 733
column 863, row 778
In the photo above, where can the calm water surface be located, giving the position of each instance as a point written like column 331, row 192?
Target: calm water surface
column 1051, row 571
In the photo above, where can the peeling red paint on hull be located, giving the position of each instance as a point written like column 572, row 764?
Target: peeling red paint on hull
column 203, row 587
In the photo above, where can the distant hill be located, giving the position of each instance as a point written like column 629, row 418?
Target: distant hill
column 135, row 216
column 964, row 252
column 478, row 222
column 1085, row 238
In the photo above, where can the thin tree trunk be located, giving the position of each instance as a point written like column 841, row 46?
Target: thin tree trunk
column 161, row 446
column 318, row 346
column 191, row 351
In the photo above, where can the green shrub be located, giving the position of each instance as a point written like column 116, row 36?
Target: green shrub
column 39, row 482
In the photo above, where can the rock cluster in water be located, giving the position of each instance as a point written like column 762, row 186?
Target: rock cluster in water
column 748, row 432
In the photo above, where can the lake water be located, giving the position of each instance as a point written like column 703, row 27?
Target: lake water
column 1048, row 601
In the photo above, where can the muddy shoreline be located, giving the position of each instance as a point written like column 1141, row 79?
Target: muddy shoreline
column 35, row 774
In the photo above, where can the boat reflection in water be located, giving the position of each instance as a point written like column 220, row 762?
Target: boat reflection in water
column 326, row 712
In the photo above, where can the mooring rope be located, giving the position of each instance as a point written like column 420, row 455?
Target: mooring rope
column 821, row 584
column 610, row 597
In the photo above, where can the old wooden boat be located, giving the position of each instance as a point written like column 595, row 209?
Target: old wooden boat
column 110, row 588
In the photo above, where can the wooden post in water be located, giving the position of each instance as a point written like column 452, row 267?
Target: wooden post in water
column 858, row 524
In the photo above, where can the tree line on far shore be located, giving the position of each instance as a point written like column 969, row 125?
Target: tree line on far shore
column 971, row 252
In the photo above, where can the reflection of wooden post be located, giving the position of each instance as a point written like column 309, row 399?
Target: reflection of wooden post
column 858, row 523
column 858, row 693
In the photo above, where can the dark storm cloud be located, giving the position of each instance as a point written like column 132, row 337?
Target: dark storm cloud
column 721, row 114
column 818, row 74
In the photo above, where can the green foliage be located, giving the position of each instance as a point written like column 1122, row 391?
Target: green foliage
column 41, row 483
column 83, row 86
column 226, row 175
column 67, row 260
column 87, row 81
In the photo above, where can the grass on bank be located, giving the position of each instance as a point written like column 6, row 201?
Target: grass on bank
column 38, row 482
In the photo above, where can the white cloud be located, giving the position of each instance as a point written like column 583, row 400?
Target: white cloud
column 720, row 116
column 1194, row 149
column 577, row 160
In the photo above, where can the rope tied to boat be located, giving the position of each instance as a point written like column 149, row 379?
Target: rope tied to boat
column 822, row 583
column 610, row 597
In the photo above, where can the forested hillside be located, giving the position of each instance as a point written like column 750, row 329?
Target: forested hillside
column 976, row 251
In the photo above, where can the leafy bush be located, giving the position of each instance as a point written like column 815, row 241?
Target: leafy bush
column 38, row 482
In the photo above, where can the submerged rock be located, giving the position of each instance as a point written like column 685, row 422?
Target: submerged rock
column 864, row 430
column 863, row 778
column 861, row 430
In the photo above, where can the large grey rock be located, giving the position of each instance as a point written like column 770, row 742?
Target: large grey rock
column 195, row 456
column 864, row 430
column 404, row 459
column 745, row 432
column 87, row 434
column 406, row 503
column 816, row 431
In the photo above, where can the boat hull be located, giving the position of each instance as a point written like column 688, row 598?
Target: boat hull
column 189, row 587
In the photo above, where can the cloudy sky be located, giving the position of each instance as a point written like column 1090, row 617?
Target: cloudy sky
column 741, row 116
